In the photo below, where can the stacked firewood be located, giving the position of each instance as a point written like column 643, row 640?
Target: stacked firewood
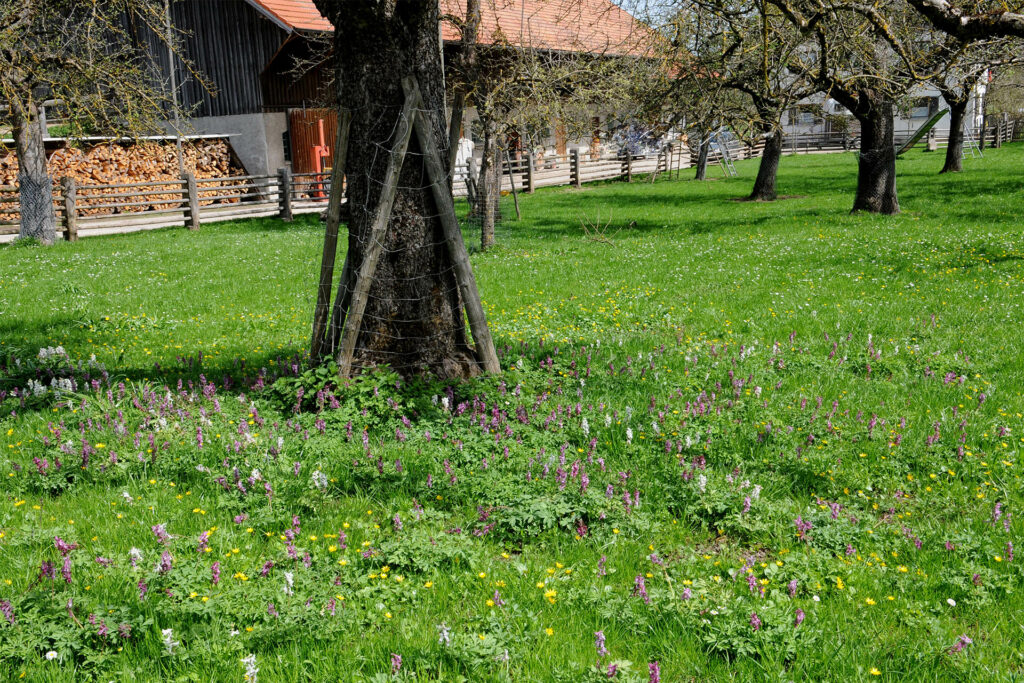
column 119, row 163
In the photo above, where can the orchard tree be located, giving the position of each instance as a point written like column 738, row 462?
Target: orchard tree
column 517, row 84
column 413, row 320
column 83, row 56
column 974, row 19
column 868, row 57
column 761, row 60
column 959, row 82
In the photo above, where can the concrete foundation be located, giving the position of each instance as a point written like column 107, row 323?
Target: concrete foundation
column 255, row 138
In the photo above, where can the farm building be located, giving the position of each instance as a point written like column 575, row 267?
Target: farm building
column 268, row 92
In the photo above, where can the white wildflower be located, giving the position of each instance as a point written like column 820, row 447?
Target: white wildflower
column 251, row 670
column 169, row 642
column 320, row 480
column 51, row 655
column 702, row 483
column 585, row 426
column 444, row 635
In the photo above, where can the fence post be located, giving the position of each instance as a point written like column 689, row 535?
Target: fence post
column 530, row 187
column 574, row 168
column 192, row 196
column 70, row 211
column 629, row 166
column 284, row 192
column 471, row 181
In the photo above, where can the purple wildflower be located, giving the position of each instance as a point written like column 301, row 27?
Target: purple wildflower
column 755, row 621
column 7, row 610
column 799, row 617
column 166, row 563
column 599, row 643
column 215, row 573
column 961, row 642
column 396, row 663
column 160, row 531
column 654, row 668
column 640, row 588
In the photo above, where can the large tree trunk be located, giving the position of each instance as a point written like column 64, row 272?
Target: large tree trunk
column 38, row 219
column 764, row 186
column 876, row 169
column 703, row 149
column 414, row 317
column 955, row 149
column 488, row 194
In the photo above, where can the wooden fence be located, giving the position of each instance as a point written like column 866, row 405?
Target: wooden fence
column 573, row 168
column 85, row 210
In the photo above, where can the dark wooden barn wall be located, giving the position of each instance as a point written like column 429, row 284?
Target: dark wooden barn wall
column 230, row 43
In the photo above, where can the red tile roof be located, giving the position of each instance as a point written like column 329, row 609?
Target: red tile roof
column 592, row 25
column 575, row 25
column 295, row 15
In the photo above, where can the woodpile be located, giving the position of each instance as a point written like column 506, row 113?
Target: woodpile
column 119, row 163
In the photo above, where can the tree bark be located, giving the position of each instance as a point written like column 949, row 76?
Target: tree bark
column 488, row 194
column 414, row 318
column 764, row 185
column 876, row 168
column 955, row 149
column 702, row 158
column 38, row 218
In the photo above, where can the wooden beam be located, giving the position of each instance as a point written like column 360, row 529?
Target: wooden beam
column 378, row 231
column 323, row 295
column 486, row 354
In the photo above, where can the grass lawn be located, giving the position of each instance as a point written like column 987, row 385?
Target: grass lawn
column 741, row 441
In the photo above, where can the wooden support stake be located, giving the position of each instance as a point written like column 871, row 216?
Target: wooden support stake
column 512, row 181
column 486, row 354
column 629, row 166
column 192, row 194
column 70, row 211
column 530, row 187
column 574, row 168
column 284, row 193
column 323, row 295
column 378, row 233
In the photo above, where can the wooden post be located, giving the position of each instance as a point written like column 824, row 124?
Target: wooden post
column 378, row 230
column 192, row 197
column 323, row 295
column 70, row 211
column 629, row 166
column 530, row 187
column 574, row 168
column 471, row 181
column 284, row 192
column 486, row 354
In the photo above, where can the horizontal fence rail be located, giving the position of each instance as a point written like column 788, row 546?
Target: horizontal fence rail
column 93, row 209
